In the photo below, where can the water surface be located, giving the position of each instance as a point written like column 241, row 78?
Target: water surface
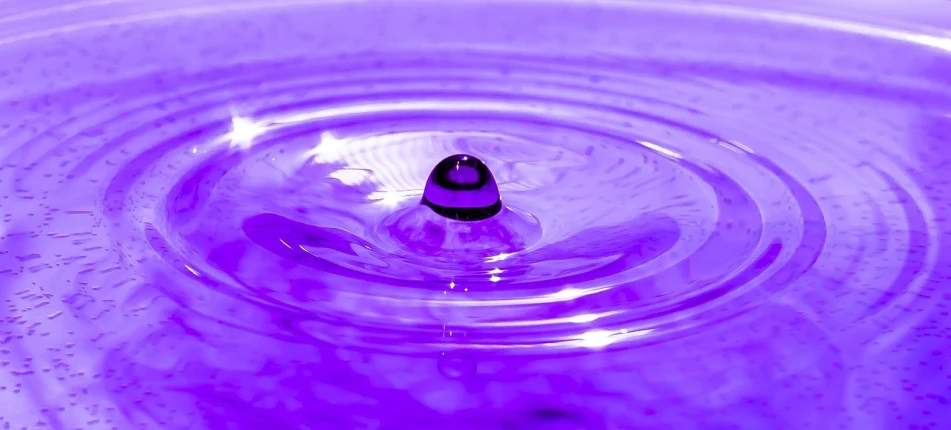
column 714, row 218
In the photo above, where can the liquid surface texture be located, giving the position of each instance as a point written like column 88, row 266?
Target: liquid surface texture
column 714, row 218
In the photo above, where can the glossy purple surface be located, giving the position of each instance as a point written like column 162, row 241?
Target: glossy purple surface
column 716, row 218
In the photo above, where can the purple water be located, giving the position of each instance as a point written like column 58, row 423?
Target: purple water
column 713, row 218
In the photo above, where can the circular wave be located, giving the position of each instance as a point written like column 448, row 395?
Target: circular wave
column 656, row 201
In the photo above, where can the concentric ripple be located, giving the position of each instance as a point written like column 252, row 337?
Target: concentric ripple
column 221, row 228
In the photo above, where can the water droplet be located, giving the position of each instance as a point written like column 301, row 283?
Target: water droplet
column 462, row 188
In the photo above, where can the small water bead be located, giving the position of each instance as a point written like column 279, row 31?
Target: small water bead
column 462, row 188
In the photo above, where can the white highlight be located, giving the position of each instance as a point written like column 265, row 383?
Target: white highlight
column 194, row 272
column 392, row 199
column 576, row 319
column 328, row 150
column 497, row 258
column 597, row 339
column 244, row 131
column 351, row 176
column 662, row 150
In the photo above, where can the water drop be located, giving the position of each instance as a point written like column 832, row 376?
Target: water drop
column 462, row 188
